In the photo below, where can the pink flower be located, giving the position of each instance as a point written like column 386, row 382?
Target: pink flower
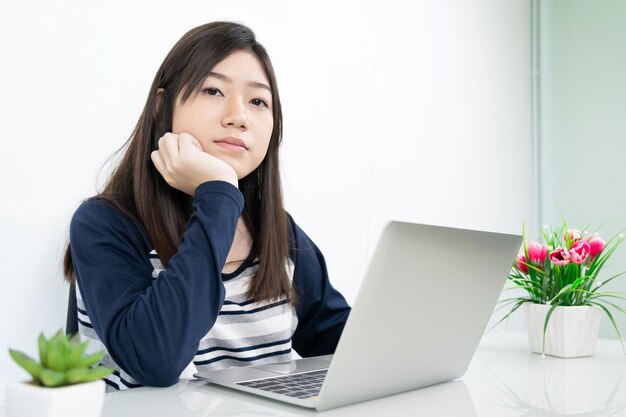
column 596, row 245
column 537, row 254
column 572, row 236
column 579, row 252
column 560, row 256
column 521, row 263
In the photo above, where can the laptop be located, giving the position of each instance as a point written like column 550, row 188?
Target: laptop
column 422, row 307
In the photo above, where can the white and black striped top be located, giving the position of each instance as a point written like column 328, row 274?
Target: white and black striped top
column 245, row 333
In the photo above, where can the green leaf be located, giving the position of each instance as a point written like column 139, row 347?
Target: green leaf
column 506, row 303
column 561, row 293
column 97, row 373
column 515, row 307
column 602, row 295
column 608, row 313
column 29, row 364
column 76, row 351
column 43, row 350
column 603, row 283
column 577, row 282
column 56, row 358
column 58, row 337
column 76, row 375
column 612, row 294
column 615, row 306
column 52, row 378
column 545, row 327
column 90, row 359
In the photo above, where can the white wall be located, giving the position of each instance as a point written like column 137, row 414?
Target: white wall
column 582, row 123
column 411, row 110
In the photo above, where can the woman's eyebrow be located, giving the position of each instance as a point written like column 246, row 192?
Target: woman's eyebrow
column 227, row 79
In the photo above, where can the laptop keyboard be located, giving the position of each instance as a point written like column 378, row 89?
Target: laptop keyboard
column 301, row 385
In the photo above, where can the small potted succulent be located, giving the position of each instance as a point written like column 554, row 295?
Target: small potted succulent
column 65, row 381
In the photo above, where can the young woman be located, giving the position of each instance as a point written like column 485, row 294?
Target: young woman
column 187, row 259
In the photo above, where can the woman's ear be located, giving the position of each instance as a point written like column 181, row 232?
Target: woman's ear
column 159, row 100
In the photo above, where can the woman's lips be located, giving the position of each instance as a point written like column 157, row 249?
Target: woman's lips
column 231, row 147
column 232, row 144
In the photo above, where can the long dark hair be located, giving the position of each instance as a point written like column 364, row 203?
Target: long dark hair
column 138, row 190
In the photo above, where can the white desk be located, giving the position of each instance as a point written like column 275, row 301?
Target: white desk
column 504, row 379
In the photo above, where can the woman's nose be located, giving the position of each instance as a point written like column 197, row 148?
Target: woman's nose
column 235, row 114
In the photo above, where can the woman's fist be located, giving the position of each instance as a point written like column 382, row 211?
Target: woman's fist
column 184, row 165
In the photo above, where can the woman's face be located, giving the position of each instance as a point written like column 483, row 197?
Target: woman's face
column 231, row 115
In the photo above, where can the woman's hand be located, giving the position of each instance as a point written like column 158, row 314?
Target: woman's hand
column 184, row 165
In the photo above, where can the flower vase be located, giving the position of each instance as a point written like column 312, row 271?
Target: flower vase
column 572, row 331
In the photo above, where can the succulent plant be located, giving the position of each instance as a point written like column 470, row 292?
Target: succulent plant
column 62, row 361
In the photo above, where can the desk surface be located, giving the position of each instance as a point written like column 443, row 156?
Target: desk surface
column 504, row 379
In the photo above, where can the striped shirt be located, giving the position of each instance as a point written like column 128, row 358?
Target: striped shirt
column 157, row 325
column 245, row 333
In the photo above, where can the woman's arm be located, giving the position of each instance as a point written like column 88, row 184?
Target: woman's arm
column 151, row 327
column 322, row 310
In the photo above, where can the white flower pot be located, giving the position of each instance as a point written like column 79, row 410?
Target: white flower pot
column 572, row 331
column 81, row 400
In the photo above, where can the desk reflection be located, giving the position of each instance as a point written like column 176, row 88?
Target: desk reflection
column 561, row 387
column 198, row 398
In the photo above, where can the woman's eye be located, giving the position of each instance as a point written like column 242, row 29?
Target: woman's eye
column 212, row 91
column 259, row 102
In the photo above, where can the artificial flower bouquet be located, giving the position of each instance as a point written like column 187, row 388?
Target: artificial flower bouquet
column 564, row 271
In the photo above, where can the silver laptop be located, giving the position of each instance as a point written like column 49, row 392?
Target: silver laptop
column 422, row 308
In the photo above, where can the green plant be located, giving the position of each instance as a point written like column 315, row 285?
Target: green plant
column 62, row 361
column 564, row 272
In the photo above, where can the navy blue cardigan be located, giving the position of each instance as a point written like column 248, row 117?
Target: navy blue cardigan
column 152, row 327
